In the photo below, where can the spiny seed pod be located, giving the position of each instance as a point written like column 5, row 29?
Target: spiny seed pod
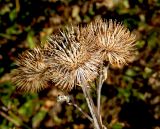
column 31, row 74
column 116, row 42
column 72, row 63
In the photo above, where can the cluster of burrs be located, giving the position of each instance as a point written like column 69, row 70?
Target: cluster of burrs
column 73, row 56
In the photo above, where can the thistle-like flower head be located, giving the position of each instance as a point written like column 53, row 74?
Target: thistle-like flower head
column 31, row 72
column 115, row 41
column 72, row 63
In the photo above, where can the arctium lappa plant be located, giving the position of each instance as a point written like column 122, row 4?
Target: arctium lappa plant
column 74, row 57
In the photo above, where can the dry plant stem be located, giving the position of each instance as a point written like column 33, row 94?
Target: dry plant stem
column 99, row 88
column 85, row 114
column 9, row 119
column 102, row 78
column 96, row 122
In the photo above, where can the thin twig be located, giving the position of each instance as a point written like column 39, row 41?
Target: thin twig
column 80, row 109
column 9, row 119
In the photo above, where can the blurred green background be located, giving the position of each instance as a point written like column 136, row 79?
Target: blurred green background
column 130, row 96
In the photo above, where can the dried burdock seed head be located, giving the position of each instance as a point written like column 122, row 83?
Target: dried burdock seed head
column 31, row 74
column 74, row 56
column 116, row 42
column 72, row 63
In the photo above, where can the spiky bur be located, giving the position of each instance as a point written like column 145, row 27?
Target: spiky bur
column 74, row 55
column 71, row 62
column 31, row 74
column 115, row 41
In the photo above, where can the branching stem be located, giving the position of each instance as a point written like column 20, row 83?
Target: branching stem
column 80, row 109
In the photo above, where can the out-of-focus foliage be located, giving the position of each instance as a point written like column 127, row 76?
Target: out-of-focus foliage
column 130, row 96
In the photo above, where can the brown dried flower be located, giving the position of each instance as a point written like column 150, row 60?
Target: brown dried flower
column 31, row 72
column 73, row 56
column 115, row 41
column 72, row 63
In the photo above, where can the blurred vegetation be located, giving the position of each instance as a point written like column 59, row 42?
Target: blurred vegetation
column 130, row 96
